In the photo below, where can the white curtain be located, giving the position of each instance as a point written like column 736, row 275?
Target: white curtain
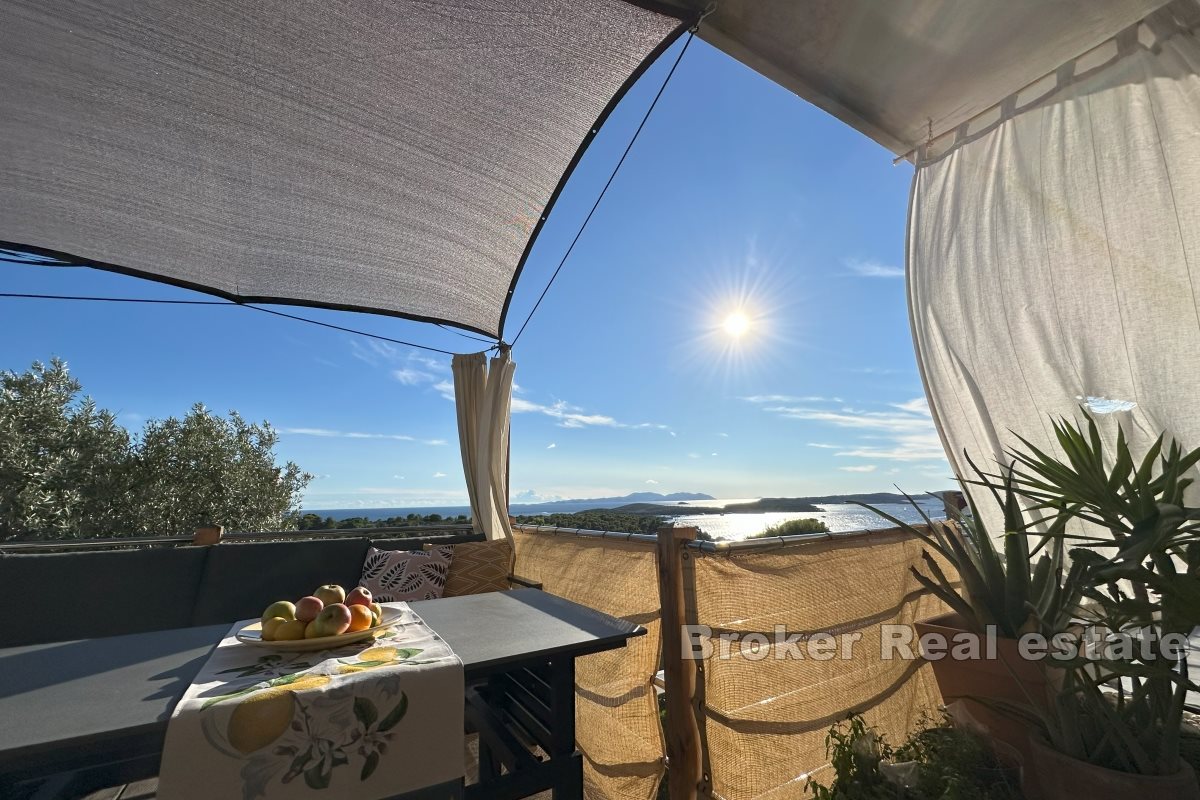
column 1055, row 256
column 482, row 396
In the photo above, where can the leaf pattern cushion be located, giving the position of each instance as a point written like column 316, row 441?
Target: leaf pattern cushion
column 394, row 575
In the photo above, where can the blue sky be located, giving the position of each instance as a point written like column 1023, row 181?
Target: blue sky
column 738, row 196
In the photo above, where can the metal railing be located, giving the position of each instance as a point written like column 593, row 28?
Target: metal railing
column 124, row 542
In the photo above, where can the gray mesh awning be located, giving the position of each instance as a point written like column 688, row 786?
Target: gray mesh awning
column 384, row 155
column 894, row 68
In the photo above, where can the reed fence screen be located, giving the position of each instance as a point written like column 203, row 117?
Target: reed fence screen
column 616, row 709
column 764, row 718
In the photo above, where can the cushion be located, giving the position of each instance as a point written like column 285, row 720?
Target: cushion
column 479, row 567
column 394, row 575
column 240, row 580
column 91, row 594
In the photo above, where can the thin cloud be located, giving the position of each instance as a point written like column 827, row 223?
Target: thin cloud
column 868, row 420
column 869, row 268
column 652, row 482
column 327, row 433
column 789, row 398
column 859, row 468
column 824, row 446
column 551, row 446
column 445, row 389
column 918, row 405
column 904, row 447
column 569, row 416
column 723, row 435
column 412, row 377
column 439, row 474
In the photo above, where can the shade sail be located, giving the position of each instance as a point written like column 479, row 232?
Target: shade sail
column 385, row 155
column 890, row 68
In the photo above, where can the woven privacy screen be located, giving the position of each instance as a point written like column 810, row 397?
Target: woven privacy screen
column 765, row 719
column 385, row 155
column 616, row 710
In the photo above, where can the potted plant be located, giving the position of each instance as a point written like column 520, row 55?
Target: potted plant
column 939, row 761
column 995, row 595
column 1114, row 727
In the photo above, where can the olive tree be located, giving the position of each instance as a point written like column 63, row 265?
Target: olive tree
column 68, row 470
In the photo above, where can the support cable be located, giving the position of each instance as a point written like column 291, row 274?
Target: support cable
column 616, row 169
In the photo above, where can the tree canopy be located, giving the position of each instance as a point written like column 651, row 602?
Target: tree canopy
column 69, row 470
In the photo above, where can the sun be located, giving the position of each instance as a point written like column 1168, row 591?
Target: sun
column 736, row 324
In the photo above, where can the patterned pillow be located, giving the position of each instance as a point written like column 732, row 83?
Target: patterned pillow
column 394, row 575
column 479, row 567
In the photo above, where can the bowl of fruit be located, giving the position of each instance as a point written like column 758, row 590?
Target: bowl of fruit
column 327, row 618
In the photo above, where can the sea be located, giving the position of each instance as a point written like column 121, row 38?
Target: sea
column 837, row 517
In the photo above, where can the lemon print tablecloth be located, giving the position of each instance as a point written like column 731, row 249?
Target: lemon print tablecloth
column 369, row 720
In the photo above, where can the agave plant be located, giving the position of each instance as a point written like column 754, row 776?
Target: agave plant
column 1140, row 576
column 998, row 587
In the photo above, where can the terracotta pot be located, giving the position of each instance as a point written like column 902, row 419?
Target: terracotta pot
column 1061, row 777
column 1006, row 676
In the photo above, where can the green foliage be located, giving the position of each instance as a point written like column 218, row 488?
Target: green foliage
column 938, row 762
column 597, row 520
column 314, row 522
column 68, row 470
column 1141, row 579
column 793, row 527
column 999, row 587
column 64, row 464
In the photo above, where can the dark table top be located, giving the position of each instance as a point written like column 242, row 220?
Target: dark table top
column 118, row 692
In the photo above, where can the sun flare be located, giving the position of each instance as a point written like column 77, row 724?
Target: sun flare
column 736, row 324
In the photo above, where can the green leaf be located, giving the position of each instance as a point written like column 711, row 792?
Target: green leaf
column 396, row 714
column 317, row 777
column 369, row 766
column 364, row 711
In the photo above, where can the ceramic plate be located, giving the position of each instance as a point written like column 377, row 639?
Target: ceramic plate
column 252, row 634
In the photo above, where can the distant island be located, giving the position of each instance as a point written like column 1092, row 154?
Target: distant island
column 646, row 504
column 764, row 505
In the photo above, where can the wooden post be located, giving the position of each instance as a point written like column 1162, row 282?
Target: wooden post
column 684, row 764
column 208, row 534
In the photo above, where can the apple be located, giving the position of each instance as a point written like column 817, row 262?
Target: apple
column 281, row 608
column 270, row 626
column 312, row 630
column 359, row 596
column 308, row 607
column 334, row 619
column 330, row 593
column 377, row 610
column 290, row 631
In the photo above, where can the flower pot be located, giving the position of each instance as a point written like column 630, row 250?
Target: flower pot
column 1061, row 777
column 972, row 682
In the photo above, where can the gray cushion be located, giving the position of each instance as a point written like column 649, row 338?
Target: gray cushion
column 92, row 594
column 240, row 580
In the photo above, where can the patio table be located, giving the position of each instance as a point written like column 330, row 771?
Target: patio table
column 100, row 707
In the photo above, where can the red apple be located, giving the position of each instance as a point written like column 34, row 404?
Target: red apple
column 307, row 608
column 359, row 596
column 334, row 619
